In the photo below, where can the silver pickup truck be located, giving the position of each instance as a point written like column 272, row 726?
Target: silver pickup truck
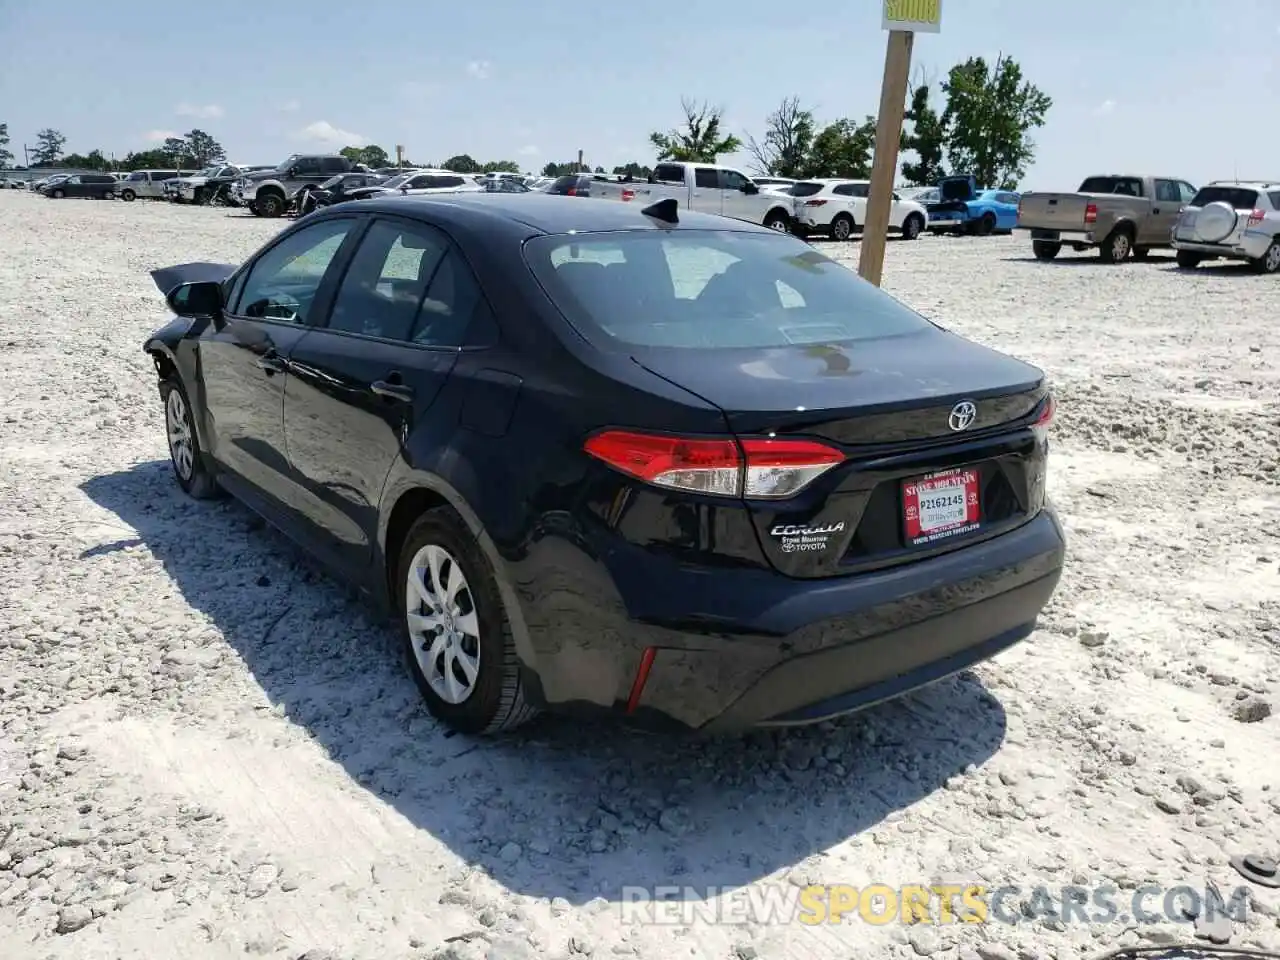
column 1122, row 215
column 707, row 188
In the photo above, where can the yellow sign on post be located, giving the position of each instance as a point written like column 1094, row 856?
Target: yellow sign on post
column 915, row 16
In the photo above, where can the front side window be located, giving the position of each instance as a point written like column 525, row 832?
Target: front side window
column 1167, row 192
column 710, row 290
column 1186, row 190
column 732, row 180
column 283, row 282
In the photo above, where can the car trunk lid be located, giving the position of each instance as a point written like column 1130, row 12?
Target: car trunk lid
column 899, row 410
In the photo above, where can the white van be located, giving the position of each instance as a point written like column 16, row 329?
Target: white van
column 146, row 183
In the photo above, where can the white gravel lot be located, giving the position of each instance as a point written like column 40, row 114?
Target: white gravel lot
column 209, row 749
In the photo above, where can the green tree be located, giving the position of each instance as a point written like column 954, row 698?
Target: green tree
column 842, row 149
column 93, row 160
column 6, row 158
column 701, row 140
column 636, row 171
column 372, row 156
column 48, row 151
column 788, row 138
column 462, row 163
column 989, row 113
column 203, row 149
column 927, row 140
column 499, row 166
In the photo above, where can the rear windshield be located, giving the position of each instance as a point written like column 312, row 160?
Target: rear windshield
column 805, row 189
column 709, row 290
column 1130, row 186
column 1240, row 198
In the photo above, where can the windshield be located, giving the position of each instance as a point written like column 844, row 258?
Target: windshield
column 287, row 162
column 332, row 182
column 710, row 290
column 399, row 181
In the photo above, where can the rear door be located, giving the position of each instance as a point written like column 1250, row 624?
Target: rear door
column 366, row 380
column 1166, row 210
column 244, row 359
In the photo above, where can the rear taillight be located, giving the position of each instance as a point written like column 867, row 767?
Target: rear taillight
column 628, row 195
column 1041, row 427
column 571, row 192
column 1091, row 213
column 1256, row 216
column 814, row 203
column 756, row 467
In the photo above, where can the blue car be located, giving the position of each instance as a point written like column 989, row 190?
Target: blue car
column 962, row 207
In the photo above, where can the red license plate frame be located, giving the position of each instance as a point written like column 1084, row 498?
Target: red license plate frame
column 930, row 513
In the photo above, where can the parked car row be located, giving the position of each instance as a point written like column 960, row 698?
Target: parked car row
column 1126, row 216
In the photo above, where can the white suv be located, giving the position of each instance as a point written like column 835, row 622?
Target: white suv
column 838, row 208
column 1232, row 220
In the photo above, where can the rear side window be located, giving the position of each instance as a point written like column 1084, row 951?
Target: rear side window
column 851, row 190
column 1128, row 186
column 1275, row 199
column 710, row 290
column 706, row 178
column 668, row 173
column 806, row 189
column 1239, row 198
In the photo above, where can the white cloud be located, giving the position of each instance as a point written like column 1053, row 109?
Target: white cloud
column 160, row 136
column 291, row 106
column 528, row 151
column 210, row 111
column 322, row 131
column 1105, row 107
column 479, row 69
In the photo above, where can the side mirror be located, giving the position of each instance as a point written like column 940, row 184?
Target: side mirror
column 291, row 172
column 199, row 298
column 750, row 187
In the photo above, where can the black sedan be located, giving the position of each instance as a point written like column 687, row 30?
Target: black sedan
column 96, row 186
column 336, row 190
column 660, row 465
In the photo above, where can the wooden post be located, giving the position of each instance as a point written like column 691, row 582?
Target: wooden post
column 884, row 167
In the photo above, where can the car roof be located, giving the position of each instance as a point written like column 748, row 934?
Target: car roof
column 549, row 214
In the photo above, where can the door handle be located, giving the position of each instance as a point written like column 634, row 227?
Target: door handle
column 272, row 363
column 392, row 391
column 1155, row 210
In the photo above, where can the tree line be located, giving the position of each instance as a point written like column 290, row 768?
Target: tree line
column 983, row 129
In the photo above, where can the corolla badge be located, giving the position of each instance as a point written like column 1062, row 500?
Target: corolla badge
column 962, row 415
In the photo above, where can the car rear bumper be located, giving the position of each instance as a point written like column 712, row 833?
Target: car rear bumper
column 1250, row 247
column 1086, row 237
column 758, row 649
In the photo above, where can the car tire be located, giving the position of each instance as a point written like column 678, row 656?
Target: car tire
column 270, row 205
column 987, row 225
column 128, row 195
column 185, row 456
column 842, row 227
column 1117, row 247
column 57, row 194
column 473, row 630
column 1045, row 249
column 1188, row 259
column 1269, row 262
column 109, row 195
column 912, row 227
column 201, row 196
column 778, row 220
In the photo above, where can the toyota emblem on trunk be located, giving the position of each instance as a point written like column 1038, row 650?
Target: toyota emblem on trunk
column 962, row 415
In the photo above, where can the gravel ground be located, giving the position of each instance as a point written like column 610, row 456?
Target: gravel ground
column 210, row 750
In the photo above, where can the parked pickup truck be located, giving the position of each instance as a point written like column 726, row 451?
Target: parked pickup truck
column 1121, row 215
column 707, row 188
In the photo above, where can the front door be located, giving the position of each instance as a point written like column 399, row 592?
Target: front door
column 367, row 379
column 1166, row 208
column 737, row 203
column 244, row 358
column 708, row 197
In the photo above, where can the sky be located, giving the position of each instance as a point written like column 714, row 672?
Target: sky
column 1185, row 88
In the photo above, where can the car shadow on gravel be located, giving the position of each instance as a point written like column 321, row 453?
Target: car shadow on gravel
column 559, row 808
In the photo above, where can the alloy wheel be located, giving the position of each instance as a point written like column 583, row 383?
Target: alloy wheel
column 1272, row 261
column 178, row 422
column 443, row 626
